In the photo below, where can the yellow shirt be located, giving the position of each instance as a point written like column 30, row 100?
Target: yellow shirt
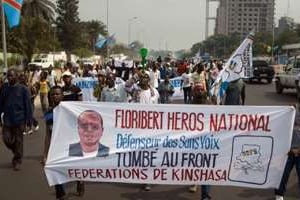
column 44, row 87
column 198, row 78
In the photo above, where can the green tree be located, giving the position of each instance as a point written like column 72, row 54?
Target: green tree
column 262, row 43
column 83, row 53
column 219, row 46
column 287, row 37
column 91, row 31
column 68, row 25
column 44, row 9
column 33, row 33
column 32, row 36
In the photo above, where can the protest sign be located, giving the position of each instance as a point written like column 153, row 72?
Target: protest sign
column 177, row 83
column 169, row 144
column 87, row 85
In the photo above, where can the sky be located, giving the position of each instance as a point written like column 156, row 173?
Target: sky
column 163, row 24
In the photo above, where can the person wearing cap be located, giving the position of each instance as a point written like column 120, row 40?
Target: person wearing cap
column 70, row 91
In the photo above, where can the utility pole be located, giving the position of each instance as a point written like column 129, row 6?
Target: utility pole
column 107, row 10
column 129, row 29
column 4, row 36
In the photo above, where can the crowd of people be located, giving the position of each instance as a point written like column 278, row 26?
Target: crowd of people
column 148, row 84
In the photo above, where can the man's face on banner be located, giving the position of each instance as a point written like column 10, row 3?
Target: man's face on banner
column 90, row 129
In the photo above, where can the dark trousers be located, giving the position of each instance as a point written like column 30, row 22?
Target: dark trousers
column 187, row 94
column 34, row 121
column 59, row 191
column 205, row 191
column 13, row 140
column 290, row 163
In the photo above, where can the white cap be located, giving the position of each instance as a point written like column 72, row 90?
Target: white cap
column 66, row 73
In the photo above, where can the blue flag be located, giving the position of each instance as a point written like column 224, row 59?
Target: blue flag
column 12, row 10
column 111, row 40
column 102, row 41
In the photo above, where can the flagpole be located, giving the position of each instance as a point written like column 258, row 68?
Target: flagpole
column 107, row 15
column 4, row 37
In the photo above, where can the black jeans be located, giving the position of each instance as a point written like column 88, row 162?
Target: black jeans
column 290, row 163
column 59, row 191
column 187, row 94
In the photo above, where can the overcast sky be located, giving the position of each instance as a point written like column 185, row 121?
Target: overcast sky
column 163, row 24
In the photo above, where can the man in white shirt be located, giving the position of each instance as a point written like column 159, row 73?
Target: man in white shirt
column 148, row 94
column 154, row 77
column 187, row 86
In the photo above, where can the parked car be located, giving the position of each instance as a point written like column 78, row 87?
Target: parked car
column 287, row 78
column 41, row 62
column 262, row 70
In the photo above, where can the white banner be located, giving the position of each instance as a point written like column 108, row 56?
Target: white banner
column 86, row 84
column 169, row 144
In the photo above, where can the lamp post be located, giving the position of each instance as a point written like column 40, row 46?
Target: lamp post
column 54, row 42
column 129, row 29
column 4, row 36
column 107, row 10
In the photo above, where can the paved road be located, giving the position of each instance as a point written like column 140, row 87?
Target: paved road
column 30, row 182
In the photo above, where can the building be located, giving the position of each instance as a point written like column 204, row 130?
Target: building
column 286, row 23
column 242, row 16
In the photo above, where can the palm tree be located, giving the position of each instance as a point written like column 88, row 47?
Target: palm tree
column 44, row 9
column 93, row 29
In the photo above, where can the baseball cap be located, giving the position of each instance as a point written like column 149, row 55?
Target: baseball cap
column 66, row 73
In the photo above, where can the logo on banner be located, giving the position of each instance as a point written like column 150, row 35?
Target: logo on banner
column 251, row 155
column 249, row 159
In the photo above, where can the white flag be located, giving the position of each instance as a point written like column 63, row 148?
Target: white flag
column 238, row 66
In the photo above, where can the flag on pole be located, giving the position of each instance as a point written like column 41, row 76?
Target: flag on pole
column 12, row 9
column 238, row 66
column 111, row 40
column 102, row 41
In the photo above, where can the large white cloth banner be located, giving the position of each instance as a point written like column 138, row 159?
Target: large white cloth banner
column 170, row 144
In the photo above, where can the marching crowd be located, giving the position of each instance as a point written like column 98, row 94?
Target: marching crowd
column 148, row 84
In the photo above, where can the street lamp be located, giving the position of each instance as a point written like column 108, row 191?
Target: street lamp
column 54, row 42
column 129, row 29
column 107, row 25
